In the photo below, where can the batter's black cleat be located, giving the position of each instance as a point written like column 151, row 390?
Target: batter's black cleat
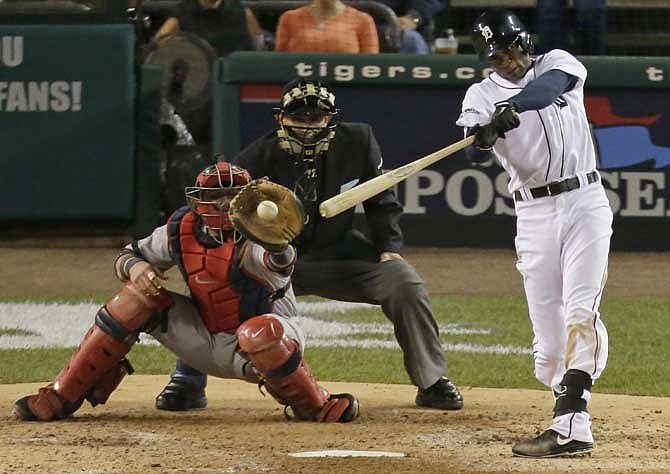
column 443, row 395
column 550, row 444
column 179, row 395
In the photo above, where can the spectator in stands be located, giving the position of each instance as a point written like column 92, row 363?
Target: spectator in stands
column 415, row 18
column 327, row 26
column 588, row 28
column 227, row 26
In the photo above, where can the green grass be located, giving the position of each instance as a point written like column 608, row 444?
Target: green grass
column 15, row 332
column 638, row 330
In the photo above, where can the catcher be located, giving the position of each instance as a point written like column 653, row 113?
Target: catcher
column 238, row 322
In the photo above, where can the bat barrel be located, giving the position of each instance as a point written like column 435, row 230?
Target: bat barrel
column 364, row 191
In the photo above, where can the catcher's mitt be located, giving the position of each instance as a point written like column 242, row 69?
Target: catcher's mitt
column 273, row 232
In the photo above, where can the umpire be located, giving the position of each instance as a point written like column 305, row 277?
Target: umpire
column 319, row 158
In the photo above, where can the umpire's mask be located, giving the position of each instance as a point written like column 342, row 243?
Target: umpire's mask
column 305, row 118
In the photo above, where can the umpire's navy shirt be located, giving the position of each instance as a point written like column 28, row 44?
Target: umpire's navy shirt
column 353, row 157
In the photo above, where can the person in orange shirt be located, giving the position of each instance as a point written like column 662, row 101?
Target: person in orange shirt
column 327, row 26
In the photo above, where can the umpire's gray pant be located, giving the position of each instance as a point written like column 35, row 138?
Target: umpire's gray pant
column 399, row 290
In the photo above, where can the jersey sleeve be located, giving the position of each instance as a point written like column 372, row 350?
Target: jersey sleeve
column 563, row 61
column 155, row 249
column 254, row 263
column 473, row 110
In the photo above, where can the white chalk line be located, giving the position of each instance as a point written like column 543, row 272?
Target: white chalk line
column 63, row 325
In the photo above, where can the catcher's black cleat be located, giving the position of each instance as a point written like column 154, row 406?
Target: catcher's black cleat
column 353, row 409
column 340, row 408
column 43, row 407
column 550, row 444
column 21, row 410
column 443, row 395
column 179, row 395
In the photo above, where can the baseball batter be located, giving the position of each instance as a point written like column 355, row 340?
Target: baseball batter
column 238, row 322
column 529, row 114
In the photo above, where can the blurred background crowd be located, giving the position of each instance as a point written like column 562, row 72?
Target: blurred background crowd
column 584, row 27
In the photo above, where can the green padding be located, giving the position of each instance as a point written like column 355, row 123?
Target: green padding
column 148, row 186
column 434, row 70
column 67, row 97
column 418, row 70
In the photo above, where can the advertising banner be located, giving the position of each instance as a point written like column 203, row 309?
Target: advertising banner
column 456, row 202
column 67, row 123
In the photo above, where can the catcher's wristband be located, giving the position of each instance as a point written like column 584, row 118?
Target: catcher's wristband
column 280, row 262
column 124, row 262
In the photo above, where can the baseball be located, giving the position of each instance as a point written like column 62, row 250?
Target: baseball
column 267, row 210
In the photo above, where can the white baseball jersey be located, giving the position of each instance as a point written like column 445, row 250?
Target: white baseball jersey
column 562, row 241
column 567, row 148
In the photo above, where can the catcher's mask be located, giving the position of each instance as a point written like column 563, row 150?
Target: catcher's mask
column 305, row 116
column 210, row 197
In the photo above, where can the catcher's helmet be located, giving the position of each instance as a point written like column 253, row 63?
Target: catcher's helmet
column 497, row 29
column 210, row 197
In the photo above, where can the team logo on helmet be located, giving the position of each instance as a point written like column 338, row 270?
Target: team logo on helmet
column 487, row 33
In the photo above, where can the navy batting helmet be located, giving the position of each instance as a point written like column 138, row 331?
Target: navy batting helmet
column 498, row 29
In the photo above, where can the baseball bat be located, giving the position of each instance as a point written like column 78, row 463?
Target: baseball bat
column 364, row 191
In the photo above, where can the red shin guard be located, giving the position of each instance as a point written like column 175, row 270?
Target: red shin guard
column 97, row 365
column 103, row 388
column 287, row 376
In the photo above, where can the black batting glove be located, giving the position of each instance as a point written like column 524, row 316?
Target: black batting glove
column 485, row 136
column 505, row 118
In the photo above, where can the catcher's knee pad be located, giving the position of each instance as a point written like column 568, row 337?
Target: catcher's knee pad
column 131, row 309
column 262, row 339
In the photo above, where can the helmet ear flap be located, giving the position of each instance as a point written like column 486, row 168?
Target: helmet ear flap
column 525, row 42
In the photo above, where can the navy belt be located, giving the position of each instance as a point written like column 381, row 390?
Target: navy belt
column 557, row 187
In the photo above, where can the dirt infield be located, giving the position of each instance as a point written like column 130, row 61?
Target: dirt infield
column 242, row 432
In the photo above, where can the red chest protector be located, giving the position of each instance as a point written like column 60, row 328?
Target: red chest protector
column 208, row 274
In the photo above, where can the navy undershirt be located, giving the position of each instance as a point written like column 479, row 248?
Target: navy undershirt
column 543, row 91
column 538, row 94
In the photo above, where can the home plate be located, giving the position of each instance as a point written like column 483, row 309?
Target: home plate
column 343, row 453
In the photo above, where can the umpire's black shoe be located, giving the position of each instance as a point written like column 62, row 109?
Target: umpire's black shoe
column 550, row 444
column 179, row 395
column 443, row 395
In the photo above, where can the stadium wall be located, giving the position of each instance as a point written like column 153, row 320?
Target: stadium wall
column 412, row 102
